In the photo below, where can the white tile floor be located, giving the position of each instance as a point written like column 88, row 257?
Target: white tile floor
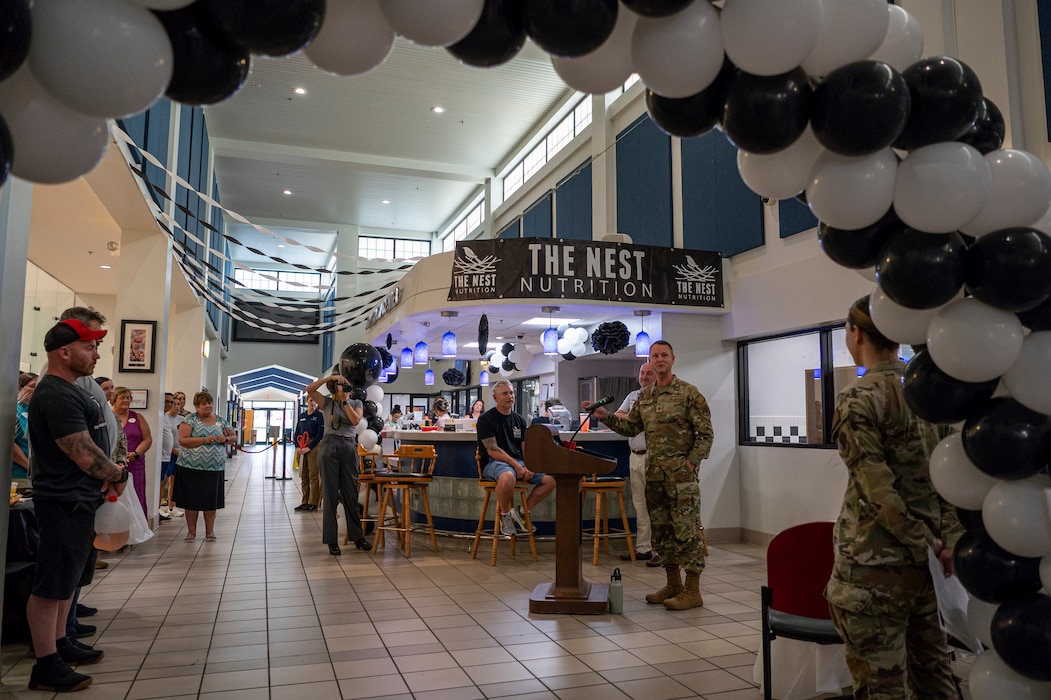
column 266, row 612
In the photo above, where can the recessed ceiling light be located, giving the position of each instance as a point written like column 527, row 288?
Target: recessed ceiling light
column 438, row 109
column 300, row 91
column 280, row 245
column 106, row 267
column 287, row 192
column 385, row 201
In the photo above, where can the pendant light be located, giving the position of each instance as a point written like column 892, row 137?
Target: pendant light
column 449, row 339
column 549, row 338
column 642, row 340
column 406, row 358
column 483, row 378
column 420, row 356
column 428, row 377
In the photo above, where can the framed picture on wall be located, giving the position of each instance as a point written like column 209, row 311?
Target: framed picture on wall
column 137, row 341
column 140, row 398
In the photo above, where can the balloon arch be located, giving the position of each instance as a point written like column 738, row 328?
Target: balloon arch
column 831, row 101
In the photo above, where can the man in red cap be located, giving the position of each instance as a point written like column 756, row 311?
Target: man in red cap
column 72, row 471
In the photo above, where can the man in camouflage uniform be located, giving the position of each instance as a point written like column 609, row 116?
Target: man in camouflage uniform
column 678, row 428
column 881, row 594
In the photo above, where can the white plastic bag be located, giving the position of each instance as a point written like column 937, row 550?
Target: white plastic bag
column 139, row 530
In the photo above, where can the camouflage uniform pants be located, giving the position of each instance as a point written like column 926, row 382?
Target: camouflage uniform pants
column 888, row 619
column 673, row 497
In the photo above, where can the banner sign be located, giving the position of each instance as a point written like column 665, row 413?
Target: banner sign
column 551, row 268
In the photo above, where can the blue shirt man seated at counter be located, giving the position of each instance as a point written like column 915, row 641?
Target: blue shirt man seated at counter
column 500, row 435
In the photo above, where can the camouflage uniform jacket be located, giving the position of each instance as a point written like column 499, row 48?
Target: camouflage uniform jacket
column 891, row 511
column 676, row 420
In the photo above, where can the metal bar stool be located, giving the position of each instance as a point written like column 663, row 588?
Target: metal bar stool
column 489, row 486
column 412, row 470
column 602, row 487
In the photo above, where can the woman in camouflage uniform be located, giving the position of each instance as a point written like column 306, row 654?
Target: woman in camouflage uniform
column 881, row 594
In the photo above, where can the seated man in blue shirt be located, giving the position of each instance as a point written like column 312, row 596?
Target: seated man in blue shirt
column 500, row 435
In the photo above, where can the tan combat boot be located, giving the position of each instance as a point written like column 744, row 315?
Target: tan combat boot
column 671, row 590
column 690, row 594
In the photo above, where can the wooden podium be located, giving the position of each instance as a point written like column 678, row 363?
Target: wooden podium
column 569, row 593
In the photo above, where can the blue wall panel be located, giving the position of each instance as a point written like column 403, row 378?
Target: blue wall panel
column 536, row 222
column 573, row 204
column 512, row 230
column 719, row 212
column 644, row 184
column 795, row 217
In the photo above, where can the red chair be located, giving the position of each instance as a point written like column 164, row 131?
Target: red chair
column 798, row 565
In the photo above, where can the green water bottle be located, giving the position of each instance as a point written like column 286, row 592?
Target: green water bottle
column 616, row 593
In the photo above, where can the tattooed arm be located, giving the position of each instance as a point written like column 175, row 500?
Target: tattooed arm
column 80, row 448
column 495, row 452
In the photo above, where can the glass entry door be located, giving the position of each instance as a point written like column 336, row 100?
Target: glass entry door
column 272, row 416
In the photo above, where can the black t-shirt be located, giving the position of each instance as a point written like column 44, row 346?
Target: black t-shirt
column 508, row 430
column 59, row 409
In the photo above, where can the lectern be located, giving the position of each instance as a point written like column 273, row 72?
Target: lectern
column 569, row 593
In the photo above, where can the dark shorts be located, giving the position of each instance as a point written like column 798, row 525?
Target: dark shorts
column 168, row 468
column 67, row 532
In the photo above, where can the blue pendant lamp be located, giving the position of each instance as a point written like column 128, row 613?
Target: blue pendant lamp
column 428, row 377
column 549, row 338
column 449, row 339
column 420, row 356
column 483, row 378
column 642, row 340
column 406, row 358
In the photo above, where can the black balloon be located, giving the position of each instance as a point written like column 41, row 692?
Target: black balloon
column 7, row 151
column 987, row 132
column 568, row 356
column 936, row 397
column 1021, row 632
column 970, row 519
column 570, row 28
column 655, row 8
column 1007, row 440
column 357, row 393
column 483, row 337
column 375, row 424
column 369, row 408
column 207, row 68
column 498, row 36
column 921, row 270
column 385, row 357
column 991, row 573
column 1010, row 268
column 946, row 99
column 861, row 247
column 506, row 349
column 508, row 365
column 390, row 341
column 1038, row 319
column 16, row 28
column 860, row 108
column 766, row 113
column 360, row 363
column 268, row 27
column 694, row 115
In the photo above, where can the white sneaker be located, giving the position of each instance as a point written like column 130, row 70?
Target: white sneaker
column 163, row 510
column 178, row 512
column 507, row 525
column 519, row 519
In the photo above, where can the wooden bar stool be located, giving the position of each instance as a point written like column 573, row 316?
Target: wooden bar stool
column 410, row 468
column 602, row 487
column 489, row 486
column 367, row 468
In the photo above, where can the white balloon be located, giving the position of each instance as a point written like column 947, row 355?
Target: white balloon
column 852, row 193
column 980, row 620
column 784, row 174
column 430, row 23
column 361, row 427
column 580, row 335
column 903, row 44
column 52, row 143
column 1015, row 514
column 941, row 187
column 106, row 58
column 504, row 372
column 515, row 356
column 374, row 393
column 564, row 344
column 679, row 55
column 1043, row 223
column 368, row 439
column 354, row 38
column 578, row 350
column 1029, row 379
column 899, row 323
column 769, row 37
column 163, row 4
column 992, row 679
column 1020, row 188
column 606, row 68
column 974, row 342
column 955, row 477
column 850, row 31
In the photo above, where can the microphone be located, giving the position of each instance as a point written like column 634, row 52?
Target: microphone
column 604, row 401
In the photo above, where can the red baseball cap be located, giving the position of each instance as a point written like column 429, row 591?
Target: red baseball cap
column 69, row 331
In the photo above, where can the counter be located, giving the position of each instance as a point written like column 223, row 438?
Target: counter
column 456, row 499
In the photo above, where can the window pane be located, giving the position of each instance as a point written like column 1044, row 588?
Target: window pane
column 560, row 136
column 413, row 249
column 448, row 243
column 632, row 79
column 784, row 396
column 535, row 160
column 474, row 218
column 582, row 115
column 381, row 248
column 513, row 180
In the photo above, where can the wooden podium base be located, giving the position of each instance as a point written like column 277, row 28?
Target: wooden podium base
column 596, row 602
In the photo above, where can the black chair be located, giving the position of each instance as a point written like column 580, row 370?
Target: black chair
column 798, row 565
